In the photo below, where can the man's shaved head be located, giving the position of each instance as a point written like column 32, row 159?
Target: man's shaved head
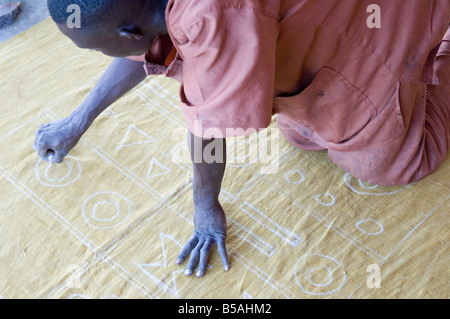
column 115, row 27
column 96, row 12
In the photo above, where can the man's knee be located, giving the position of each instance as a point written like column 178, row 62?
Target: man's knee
column 371, row 167
column 398, row 163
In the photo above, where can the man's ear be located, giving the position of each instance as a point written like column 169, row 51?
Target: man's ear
column 131, row 32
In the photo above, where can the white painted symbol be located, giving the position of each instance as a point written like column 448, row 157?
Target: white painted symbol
column 318, row 274
column 108, row 111
column 326, row 199
column 157, row 169
column 105, row 210
column 58, row 175
column 227, row 196
column 366, row 226
column 361, row 188
column 135, row 136
column 311, row 274
column 251, row 238
column 282, row 232
column 366, row 185
column 294, row 177
column 167, row 283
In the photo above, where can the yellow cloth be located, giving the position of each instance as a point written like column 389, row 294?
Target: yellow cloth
column 109, row 222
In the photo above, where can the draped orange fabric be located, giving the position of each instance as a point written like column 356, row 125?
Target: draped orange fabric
column 357, row 78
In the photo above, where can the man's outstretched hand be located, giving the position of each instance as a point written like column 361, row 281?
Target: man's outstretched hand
column 55, row 140
column 210, row 231
column 210, row 225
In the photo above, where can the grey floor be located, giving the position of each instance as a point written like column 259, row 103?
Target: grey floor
column 33, row 11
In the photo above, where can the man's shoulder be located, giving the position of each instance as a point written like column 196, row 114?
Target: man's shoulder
column 188, row 12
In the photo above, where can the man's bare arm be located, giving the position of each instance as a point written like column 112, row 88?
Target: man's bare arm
column 54, row 140
column 209, row 161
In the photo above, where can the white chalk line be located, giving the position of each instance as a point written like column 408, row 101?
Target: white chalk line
column 171, row 287
column 254, row 240
column 129, row 277
column 151, row 83
column 282, row 232
column 164, row 112
column 98, row 223
column 364, row 247
column 258, row 272
column 348, row 178
column 140, row 182
column 150, row 139
column 258, row 176
column 299, row 282
column 47, row 208
column 433, row 210
column 330, row 224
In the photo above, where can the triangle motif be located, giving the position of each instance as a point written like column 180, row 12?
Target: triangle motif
column 157, row 169
column 108, row 111
column 168, row 283
column 135, row 136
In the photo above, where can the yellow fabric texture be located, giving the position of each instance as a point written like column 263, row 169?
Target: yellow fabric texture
column 110, row 220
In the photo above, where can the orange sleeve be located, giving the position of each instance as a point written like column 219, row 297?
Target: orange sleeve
column 228, row 74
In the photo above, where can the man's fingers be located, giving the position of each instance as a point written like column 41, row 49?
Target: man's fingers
column 39, row 146
column 195, row 256
column 187, row 249
column 204, row 256
column 46, row 152
column 200, row 250
column 55, row 156
column 42, row 152
column 50, row 155
column 223, row 254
